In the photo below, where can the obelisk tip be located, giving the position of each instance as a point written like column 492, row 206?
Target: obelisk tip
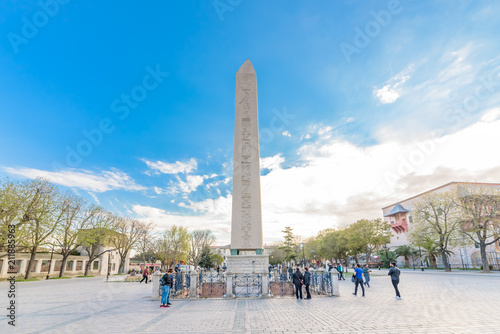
column 247, row 67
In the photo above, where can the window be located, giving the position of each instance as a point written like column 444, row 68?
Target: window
column 96, row 265
column 410, row 219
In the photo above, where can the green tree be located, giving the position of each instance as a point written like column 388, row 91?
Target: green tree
column 200, row 239
column 334, row 245
column 277, row 256
column 176, row 242
column 405, row 251
column 206, row 258
column 387, row 256
column 216, row 259
column 288, row 245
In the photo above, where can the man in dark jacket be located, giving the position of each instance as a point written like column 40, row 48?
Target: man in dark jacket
column 307, row 282
column 298, row 279
column 394, row 273
column 168, row 282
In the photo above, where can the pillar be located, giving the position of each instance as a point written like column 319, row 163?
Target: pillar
column 38, row 266
column 155, row 293
column 265, row 286
column 52, row 266
column 193, row 285
column 5, row 267
column 229, row 286
column 73, row 266
column 22, row 267
column 335, row 284
column 84, row 263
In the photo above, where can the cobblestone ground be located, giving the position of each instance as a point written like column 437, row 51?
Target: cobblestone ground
column 432, row 303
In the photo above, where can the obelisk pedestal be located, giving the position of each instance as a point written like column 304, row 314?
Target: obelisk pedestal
column 246, row 223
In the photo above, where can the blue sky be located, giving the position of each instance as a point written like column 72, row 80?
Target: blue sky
column 361, row 103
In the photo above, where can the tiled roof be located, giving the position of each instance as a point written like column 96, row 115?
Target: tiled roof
column 397, row 209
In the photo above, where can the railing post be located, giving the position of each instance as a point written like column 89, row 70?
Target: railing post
column 229, row 286
column 193, row 285
column 265, row 286
column 155, row 294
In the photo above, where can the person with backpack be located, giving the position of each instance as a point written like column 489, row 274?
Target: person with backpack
column 298, row 279
column 145, row 274
column 167, row 282
column 394, row 272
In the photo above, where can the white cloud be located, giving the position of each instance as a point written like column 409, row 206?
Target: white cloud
column 390, row 92
column 114, row 179
column 286, row 134
column 94, row 197
column 272, row 162
column 172, row 168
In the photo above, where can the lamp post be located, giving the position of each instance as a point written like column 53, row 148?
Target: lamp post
column 50, row 262
column 303, row 254
column 421, row 262
column 109, row 264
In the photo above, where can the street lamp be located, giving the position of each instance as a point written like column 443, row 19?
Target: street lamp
column 50, row 262
column 303, row 254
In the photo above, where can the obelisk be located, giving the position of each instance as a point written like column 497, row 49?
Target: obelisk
column 246, row 223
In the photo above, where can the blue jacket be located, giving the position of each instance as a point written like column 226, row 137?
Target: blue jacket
column 359, row 273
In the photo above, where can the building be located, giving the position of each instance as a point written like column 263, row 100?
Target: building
column 48, row 263
column 399, row 215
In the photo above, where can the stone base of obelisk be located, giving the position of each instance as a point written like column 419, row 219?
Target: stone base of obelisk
column 247, row 265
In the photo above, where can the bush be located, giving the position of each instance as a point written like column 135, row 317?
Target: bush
column 491, row 267
column 59, row 277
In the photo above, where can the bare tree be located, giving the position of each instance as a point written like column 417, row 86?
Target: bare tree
column 436, row 218
column 97, row 234
column 480, row 216
column 75, row 218
column 144, row 244
column 43, row 212
column 199, row 240
column 127, row 232
column 10, row 207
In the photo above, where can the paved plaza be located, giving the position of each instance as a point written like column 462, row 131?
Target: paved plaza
column 433, row 302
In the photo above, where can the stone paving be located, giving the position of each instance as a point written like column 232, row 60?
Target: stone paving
column 433, row 302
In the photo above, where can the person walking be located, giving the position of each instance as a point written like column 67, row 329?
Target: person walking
column 394, row 272
column 307, row 282
column 145, row 274
column 168, row 282
column 366, row 274
column 358, row 273
column 298, row 279
column 340, row 270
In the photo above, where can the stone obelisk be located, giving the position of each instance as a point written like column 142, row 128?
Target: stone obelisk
column 246, row 223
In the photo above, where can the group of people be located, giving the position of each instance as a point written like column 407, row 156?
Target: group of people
column 359, row 273
column 299, row 279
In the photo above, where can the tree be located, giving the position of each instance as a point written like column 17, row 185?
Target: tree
column 288, row 244
column 145, row 244
column 176, row 244
column 200, row 239
column 10, row 207
column 436, row 217
column 387, row 256
column 334, row 245
column 206, row 258
column 42, row 212
column 431, row 252
column 405, row 251
column 216, row 259
column 480, row 216
column 277, row 256
column 96, row 236
column 75, row 218
column 127, row 232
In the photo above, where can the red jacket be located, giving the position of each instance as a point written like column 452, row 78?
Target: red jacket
column 145, row 272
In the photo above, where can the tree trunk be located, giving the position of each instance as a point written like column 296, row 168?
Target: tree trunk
column 433, row 262
column 63, row 265
column 484, row 256
column 87, row 267
column 445, row 261
column 32, row 259
column 407, row 261
column 121, row 268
